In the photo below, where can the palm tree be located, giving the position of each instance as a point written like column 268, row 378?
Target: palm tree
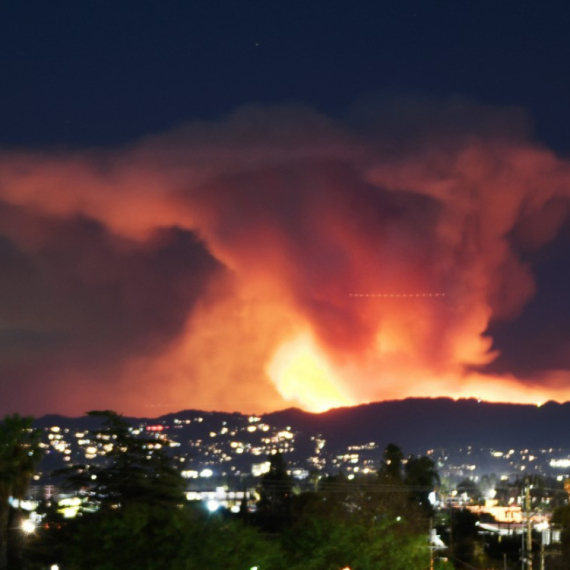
column 19, row 455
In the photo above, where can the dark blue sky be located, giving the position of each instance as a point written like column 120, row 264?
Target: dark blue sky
column 100, row 72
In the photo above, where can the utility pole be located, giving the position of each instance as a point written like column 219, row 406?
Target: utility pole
column 528, row 529
column 430, row 545
column 450, row 528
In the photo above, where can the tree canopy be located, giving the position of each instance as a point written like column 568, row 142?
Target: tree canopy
column 136, row 469
column 135, row 516
column 19, row 456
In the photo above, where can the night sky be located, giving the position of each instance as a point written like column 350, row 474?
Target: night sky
column 244, row 206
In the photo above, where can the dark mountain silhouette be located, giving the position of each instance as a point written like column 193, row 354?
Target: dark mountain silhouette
column 418, row 424
column 415, row 424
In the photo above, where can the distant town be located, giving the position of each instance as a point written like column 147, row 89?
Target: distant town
column 480, row 503
column 219, row 452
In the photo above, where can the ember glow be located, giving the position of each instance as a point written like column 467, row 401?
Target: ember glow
column 277, row 258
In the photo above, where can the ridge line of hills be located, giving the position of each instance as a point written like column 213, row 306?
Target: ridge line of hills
column 415, row 424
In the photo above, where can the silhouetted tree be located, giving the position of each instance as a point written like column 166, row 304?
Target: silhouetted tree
column 136, row 469
column 274, row 506
column 135, row 516
column 130, row 509
column 19, row 456
column 561, row 517
column 391, row 466
column 421, row 477
column 464, row 531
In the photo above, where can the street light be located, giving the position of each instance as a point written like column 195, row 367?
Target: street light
column 28, row 526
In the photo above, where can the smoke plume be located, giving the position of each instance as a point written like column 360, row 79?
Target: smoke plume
column 278, row 257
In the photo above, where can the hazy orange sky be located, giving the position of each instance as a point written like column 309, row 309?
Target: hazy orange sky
column 280, row 257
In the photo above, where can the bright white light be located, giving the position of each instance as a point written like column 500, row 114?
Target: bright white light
column 54, row 567
column 206, row 473
column 28, row 526
column 213, row 506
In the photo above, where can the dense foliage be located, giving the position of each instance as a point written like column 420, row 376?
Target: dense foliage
column 134, row 515
column 19, row 456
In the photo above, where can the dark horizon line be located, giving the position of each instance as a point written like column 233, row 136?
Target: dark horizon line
column 307, row 412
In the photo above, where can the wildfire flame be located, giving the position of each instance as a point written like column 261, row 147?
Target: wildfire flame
column 303, row 375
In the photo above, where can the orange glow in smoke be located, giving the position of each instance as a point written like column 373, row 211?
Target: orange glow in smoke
column 303, row 375
column 345, row 273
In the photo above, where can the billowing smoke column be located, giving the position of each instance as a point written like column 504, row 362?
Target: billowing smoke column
column 276, row 258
